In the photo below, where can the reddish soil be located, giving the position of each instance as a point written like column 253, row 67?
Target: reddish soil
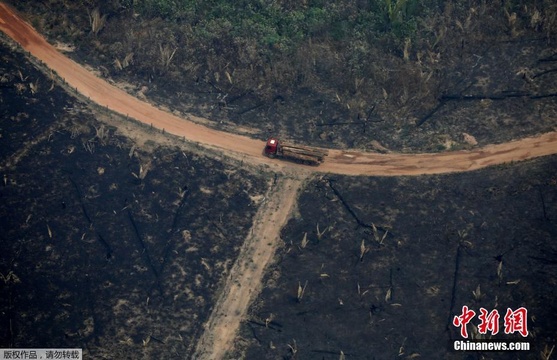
column 232, row 305
column 341, row 162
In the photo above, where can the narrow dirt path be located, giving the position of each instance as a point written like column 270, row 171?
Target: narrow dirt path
column 245, row 278
column 340, row 162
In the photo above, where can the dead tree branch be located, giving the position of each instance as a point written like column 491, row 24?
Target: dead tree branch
column 545, row 217
column 239, row 96
column 257, row 106
column 351, row 211
column 552, row 57
column 168, row 247
column 455, row 284
column 100, row 238
column 431, row 113
column 543, row 73
column 342, row 123
column 184, row 194
column 273, row 325
column 501, row 96
column 145, row 251
column 543, row 96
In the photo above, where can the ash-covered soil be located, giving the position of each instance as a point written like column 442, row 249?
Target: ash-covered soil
column 378, row 267
column 464, row 75
column 108, row 245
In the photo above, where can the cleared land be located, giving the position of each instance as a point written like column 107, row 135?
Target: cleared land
column 385, row 264
column 114, row 246
column 344, row 162
column 154, row 293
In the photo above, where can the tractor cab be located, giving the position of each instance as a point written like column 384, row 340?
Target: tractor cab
column 271, row 147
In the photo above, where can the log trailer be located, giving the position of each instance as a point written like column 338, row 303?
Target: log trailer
column 302, row 154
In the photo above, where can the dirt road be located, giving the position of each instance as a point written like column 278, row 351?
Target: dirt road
column 244, row 280
column 245, row 277
column 341, row 162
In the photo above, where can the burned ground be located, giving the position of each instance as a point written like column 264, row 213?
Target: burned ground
column 121, row 249
column 388, row 262
column 108, row 246
column 27, row 108
column 357, row 78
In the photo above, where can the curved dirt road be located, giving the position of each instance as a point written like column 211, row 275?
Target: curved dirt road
column 340, row 162
column 244, row 281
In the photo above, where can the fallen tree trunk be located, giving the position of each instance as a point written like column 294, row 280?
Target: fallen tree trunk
column 501, row 96
column 430, row 114
column 497, row 96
